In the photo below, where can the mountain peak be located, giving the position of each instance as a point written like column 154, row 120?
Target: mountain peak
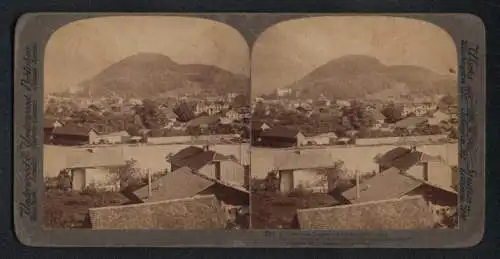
column 148, row 57
column 356, row 76
column 146, row 74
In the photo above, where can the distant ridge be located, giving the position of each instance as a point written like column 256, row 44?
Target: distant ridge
column 146, row 75
column 357, row 76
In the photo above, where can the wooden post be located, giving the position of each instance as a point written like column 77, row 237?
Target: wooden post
column 149, row 182
column 357, row 184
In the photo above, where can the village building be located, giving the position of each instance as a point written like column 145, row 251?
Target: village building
column 417, row 109
column 430, row 169
column 185, row 183
column 216, row 166
column 72, row 135
column 118, row 137
column 211, row 108
column 304, row 170
column 375, row 215
column 282, row 137
column 343, row 103
column 378, row 118
column 408, row 173
column 231, row 116
column 48, row 129
column 254, row 130
column 410, row 123
column 282, row 92
column 438, row 118
column 91, row 169
column 203, row 123
column 329, row 138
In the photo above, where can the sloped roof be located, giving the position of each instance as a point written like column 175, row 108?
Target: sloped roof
column 181, row 183
column 257, row 125
column 377, row 115
column 404, row 213
column 389, row 184
column 410, row 122
column 199, row 212
column 280, row 132
column 49, row 122
column 196, row 158
column 405, row 162
column 73, row 130
column 304, row 159
column 403, row 158
column 393, row 154
column 186, row 152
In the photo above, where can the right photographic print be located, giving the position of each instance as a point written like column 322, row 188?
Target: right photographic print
column 354, row 125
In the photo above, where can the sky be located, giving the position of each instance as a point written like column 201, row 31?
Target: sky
column 80, row 50
column 288, row 51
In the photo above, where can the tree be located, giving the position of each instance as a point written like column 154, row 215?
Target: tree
column 64, row 180
column 259, row 110
column 332, row 175
column 149, row 114
column 271, row 182
column 454, row 134
column 241, row 101
column 126, row 175
column 392, row 112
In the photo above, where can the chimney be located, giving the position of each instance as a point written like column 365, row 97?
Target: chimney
column 413, row 148
column 206, row 147
column 357, row 184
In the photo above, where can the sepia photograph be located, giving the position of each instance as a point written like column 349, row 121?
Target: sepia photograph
column 354, row 125
column 146, row 127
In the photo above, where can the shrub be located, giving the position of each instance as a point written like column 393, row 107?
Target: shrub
column 91, row 190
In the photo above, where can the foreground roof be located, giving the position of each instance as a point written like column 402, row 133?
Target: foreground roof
column 200, row 212
column 404, row 213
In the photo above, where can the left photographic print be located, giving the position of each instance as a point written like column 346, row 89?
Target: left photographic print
column 146, row 127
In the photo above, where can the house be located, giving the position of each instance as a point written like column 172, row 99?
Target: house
column 199, row 212
column 231, row 116
column 211, row 164
column 96, row 170
column 394, row 214
column 438, row 118
column 323, row 139
column 343, row 103
column 203, row 122
column 410, row 123
column 378, row 118
column 282, row 137
column 185, row 183
column 72, row 135
column 281, row 92
column 256, row 128
column 417, row 109
column 304, row 169
column 394, row 184
column 430, row 169
column 48, row 128
column 178, row 184
column 112, row 138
